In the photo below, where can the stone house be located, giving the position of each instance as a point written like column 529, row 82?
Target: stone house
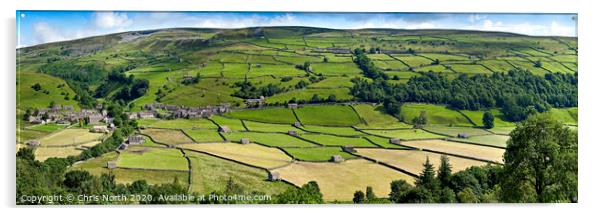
column 273, row 176
column 33, row 143
column 337, row 158
column 99, row 129
column 224, row 129
column 395, row 141
column 112, row 164
column 463, row 136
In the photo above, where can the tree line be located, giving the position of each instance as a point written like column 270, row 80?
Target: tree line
column 518, row 92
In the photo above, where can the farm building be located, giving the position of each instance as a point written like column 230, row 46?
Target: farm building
column 33, row 143
column 292, row 133
column 95, row 118
column 135, row 139
column 273, row 176
column 462, row 136
column 293, row 106
column 395, row 141
column 99, row 129
column 224, row 129
column 123, row 146
column 112, row 164
column 258, row 102
column 349, row 149
column 244, row 140
column 297, row 124
column 146, row 115
column 337, row 159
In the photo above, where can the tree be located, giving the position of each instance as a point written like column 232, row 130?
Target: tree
column 540, row 162
column 488, row 120
column 370, row 196
column 467, row 196
column 36, row 87
column 444, row 174
column 420, row 120
column 399, row 191
column 358, row 197
column 427, row 177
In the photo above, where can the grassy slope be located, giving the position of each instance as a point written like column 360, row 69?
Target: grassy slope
column 28, row 97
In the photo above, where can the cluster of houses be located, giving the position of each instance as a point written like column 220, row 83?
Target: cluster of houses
column 174, row 111
column 67, row 115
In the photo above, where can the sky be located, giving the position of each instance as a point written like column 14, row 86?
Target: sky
column 38, row 27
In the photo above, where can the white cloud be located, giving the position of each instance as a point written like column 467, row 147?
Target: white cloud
column 109, row 20
column 527, row 28
column 476, row 17
column 44, row 33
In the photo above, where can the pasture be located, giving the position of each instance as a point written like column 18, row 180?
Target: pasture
column 436, row 114
column 338, row 181
column 167, row 136
column 269, row 139
column 177, row 123
column 204, row 136
column 404, row 134
column 211, row 174
column 328, row 115
column 70, row 137
column 252, row 154
column 492, row 140
column 318, row 153
column 461, row 149
column 268, row 115
column 331, row 140
column 413, row 160
column 152, row 158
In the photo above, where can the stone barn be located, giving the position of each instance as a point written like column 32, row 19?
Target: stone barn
column 33, row 143
column 292, row 133
column 463, row 136
column 112, row 164
column 395, row 141
column 349, row 149
column 245, row 140
column 293, row 106
column 224, row 129
column 297, row 124
column 337, row 159
column 273, row 176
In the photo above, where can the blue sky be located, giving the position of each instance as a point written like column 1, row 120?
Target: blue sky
column 36, row 27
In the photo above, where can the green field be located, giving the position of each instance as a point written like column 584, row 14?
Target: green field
column 344, row 131
column 152, row 158
column 56, row 87
column 375, row 118
column 268, row 115
column 328, row 115
column 265, row 127
column 317, row 154
column 436, row 114
column 404, row 134
column 331, row 140
column 454, row 131
column 233, row 124
column 566, row 116
column 211, row 174
column 203, row 136
column 269, row 139
column 477, row 117
column 492, row 140
column 177, row 123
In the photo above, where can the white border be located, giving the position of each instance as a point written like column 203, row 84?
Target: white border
column 589, row 48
